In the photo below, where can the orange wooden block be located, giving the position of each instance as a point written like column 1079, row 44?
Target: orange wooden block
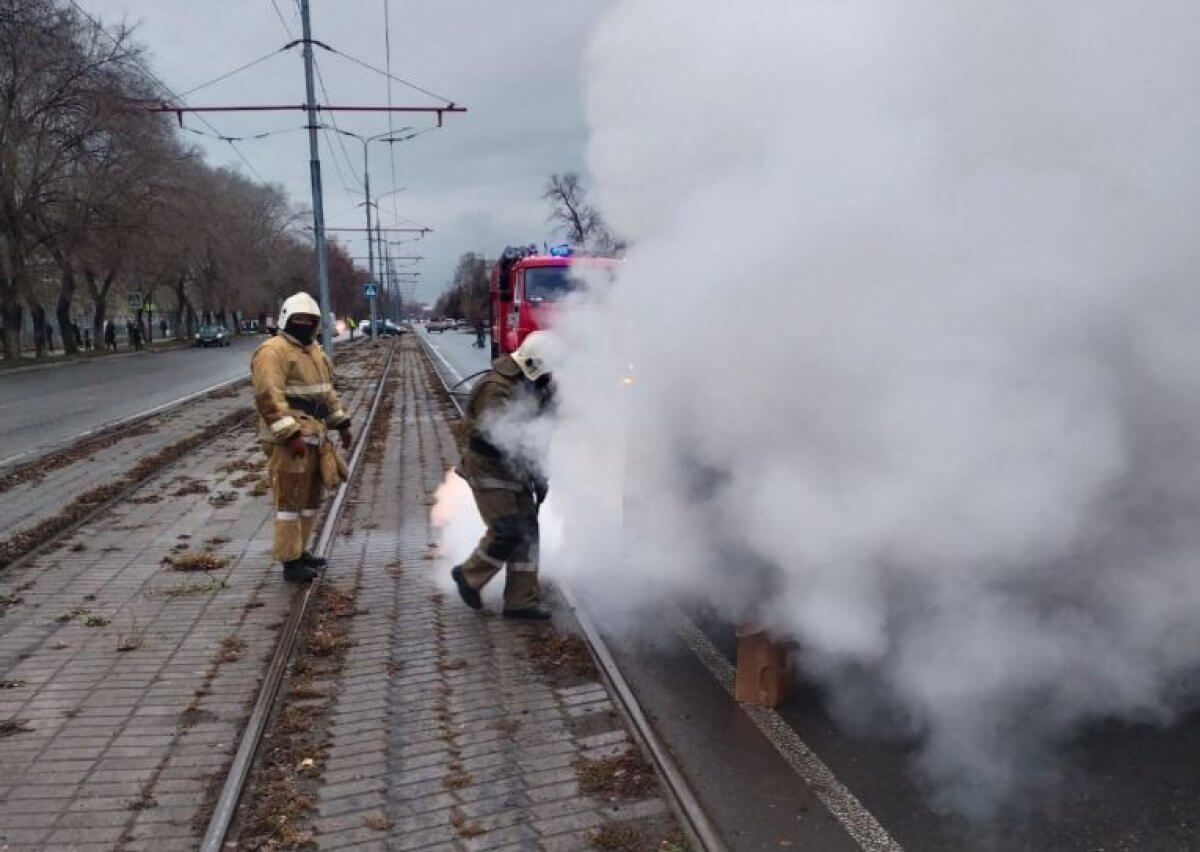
column 762, row 669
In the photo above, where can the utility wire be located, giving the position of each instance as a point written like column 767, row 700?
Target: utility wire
column 387, row 74
column 237, row 70
column 325, row 131
column 338, row 216
column 337, row 166
column 408, row 221
column 325, row 92
column 154, row 78
column 251, row 138
column 333, row 121
column 282, row 20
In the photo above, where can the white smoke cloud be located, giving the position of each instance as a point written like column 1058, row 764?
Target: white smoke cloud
column 913, row 312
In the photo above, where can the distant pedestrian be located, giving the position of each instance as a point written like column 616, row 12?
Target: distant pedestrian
column 110, row 336
column 87, row 338
column 77, row 334
column 49, row 337
column 162, row 328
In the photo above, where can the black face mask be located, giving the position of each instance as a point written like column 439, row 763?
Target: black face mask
column 303, row 333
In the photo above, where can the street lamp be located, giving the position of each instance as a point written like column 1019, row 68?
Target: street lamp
column 386, row 136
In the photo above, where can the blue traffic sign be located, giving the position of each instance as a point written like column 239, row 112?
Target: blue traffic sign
column 369, row 290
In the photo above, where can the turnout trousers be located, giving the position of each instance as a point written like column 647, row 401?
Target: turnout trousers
column 511, row 542
column 296, row 483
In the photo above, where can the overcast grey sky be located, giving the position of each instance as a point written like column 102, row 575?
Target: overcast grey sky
column 476, row 182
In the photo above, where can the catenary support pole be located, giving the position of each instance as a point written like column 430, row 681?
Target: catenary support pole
column 391, row 278
column 379, row 254
column 370, row 251
column 315, row 171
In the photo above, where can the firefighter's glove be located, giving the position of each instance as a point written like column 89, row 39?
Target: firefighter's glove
column 297, row 445
column 541, row 487
column 345, row 437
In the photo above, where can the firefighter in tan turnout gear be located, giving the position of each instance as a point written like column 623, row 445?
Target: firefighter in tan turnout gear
column 297, row 406
column 506, row 477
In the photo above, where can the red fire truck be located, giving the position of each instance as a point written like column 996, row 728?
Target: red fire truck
column 526, row 286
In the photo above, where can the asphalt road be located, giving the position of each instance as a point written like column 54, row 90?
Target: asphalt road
column 458, row 348
column 1112, row 787
column 46, row 406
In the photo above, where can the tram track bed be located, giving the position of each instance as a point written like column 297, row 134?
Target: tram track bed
column 428, row 725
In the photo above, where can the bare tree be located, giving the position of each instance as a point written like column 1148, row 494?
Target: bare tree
column 94, row 191
column 116, row 194
column 467, row 296
column 575, row 218
column 56, row 75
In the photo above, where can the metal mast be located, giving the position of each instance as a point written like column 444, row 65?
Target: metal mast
column 317, row 200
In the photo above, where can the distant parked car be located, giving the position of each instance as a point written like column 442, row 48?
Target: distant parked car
column 212, row 335
column 439, row 325
column 383, row 326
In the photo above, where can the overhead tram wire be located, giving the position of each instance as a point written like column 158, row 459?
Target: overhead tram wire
column 337, row 166
column 332, row 153
column 332, row 119
column 388, row 74
column 254, row 137
column 155, row 79
column 282, row 20
column 333, row 122
column 237, row 70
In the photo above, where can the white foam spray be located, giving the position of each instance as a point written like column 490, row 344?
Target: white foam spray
column 913, row 310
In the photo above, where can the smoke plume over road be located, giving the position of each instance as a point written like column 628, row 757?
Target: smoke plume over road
column 913, row 311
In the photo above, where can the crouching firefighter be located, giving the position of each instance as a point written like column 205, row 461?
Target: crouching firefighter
column 501, row 462
column 297, row 407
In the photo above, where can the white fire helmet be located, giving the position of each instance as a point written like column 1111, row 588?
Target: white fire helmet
column 301, row 303
column 539, row 354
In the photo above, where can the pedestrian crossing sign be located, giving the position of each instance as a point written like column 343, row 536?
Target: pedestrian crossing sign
column 369, row 290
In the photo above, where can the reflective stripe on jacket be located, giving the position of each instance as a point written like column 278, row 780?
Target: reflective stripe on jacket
column 293, row 389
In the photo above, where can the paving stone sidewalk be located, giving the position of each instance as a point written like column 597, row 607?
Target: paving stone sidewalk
column 442, row 734
column 124, row 682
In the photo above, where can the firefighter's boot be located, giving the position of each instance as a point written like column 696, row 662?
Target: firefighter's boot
column 299, row 571
column 536, row 612
column 318, row 562
column 470, row 596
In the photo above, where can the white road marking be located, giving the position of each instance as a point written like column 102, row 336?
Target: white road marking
column 438, row 352
column 853, row 815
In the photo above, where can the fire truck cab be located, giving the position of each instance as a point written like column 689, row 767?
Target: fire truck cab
column 526, row 287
